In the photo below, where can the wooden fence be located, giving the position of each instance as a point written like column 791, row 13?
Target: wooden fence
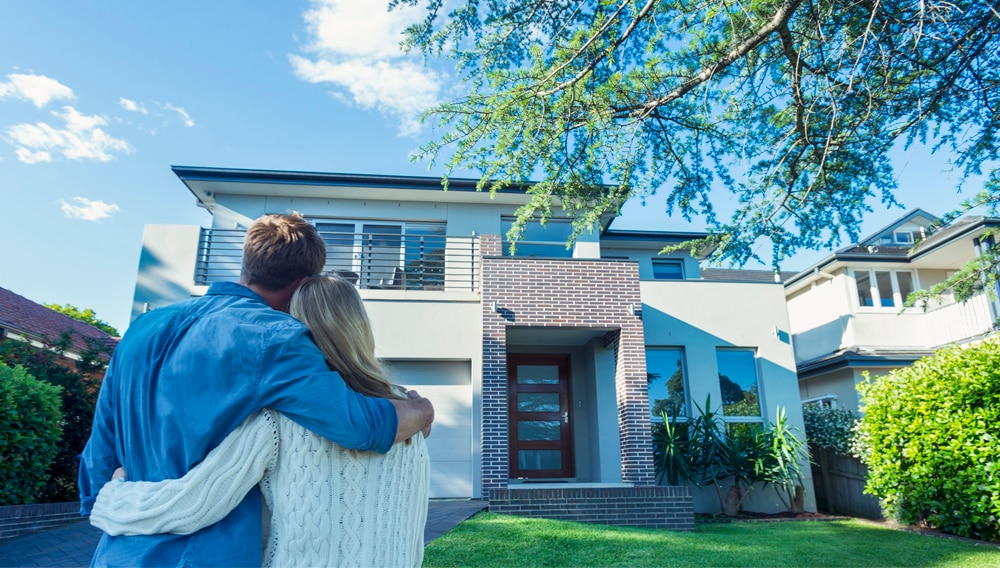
column 839, row 483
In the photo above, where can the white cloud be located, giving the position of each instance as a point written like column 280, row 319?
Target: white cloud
column 132, row 106
column 88, row 210
column 185, row 117
column 39, row 90
column 355, row 48
column 82, row 138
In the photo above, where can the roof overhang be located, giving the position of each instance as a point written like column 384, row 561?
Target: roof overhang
column 948, row 249
column 208, row 183
column 856, row 358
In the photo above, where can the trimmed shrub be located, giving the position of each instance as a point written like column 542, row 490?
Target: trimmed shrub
column 79, row 382
column 831, row 428
column 30, row 428
column 930, row 436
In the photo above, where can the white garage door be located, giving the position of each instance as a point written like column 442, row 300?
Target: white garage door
column 448, row 385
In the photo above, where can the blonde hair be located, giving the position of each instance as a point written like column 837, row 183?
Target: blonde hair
column 280, row 249
column 333, row 311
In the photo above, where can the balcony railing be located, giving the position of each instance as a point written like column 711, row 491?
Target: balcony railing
column 369, row 260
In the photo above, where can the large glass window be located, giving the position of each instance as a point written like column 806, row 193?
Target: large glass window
column 883, row 288
column 667, row 382
column 538, row 240
column 738, row 382
column 385, row 255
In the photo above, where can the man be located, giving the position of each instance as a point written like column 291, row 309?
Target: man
column 185, row 376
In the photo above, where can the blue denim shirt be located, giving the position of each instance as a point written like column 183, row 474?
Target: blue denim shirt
column 186, row 375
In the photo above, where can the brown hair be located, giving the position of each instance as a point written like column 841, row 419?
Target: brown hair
column 280, row 249
column 333, row 311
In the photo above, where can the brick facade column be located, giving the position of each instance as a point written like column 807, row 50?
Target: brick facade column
column 577, row 293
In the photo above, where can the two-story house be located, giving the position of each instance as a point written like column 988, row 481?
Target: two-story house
column 847, row 311
column 546, row 363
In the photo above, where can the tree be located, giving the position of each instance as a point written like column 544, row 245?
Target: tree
column 86, row 316
column 790, row 106
column 78, row 382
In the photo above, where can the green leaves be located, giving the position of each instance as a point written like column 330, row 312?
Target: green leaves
column 831, row 428
column 784, row 111
column 929, row 436
column 706, row 451
column 30, row 428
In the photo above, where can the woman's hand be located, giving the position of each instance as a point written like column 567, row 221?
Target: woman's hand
column 118, row 474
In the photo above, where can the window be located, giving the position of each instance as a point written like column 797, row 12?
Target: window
column 902, row 238
column 667, row 382
column 738, row 383
column 668, row 270
column 883, row 288
column 387, row 254
column 538, row 240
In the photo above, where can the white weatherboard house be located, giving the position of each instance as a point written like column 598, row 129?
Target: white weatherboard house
column 847, row 311
column 543, row 365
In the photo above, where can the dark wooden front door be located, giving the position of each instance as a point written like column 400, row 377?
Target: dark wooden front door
column 541, row 440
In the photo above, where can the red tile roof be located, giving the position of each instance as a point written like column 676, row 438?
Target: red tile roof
column 22, row 316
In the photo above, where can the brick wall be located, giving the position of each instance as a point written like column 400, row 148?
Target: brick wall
column 19, row 519
column 650, row 507
column 563, row 293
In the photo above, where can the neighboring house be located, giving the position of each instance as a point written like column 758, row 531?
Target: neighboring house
column 847, row 314
column 24, row 320
column 543, row 365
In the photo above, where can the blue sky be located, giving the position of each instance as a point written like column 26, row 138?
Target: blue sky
column 99, row 99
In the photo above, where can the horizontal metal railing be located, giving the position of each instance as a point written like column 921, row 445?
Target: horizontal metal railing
column 369, row 260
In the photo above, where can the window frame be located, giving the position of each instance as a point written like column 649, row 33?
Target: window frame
column 658, row 262
column 760, row 418
column 558, row 248
column 685, row 382
column 874, row 291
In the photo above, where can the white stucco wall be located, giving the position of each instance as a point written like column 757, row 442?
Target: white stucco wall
column 435, row 347
column 166, row 267
column 703, row 316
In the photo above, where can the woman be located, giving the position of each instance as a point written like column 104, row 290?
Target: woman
column 326, row 505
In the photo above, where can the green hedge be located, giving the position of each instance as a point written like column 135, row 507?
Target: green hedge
column 930, row 436
column 30, row 430
column 831, row 428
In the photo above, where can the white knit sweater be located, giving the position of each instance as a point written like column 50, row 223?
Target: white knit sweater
column 328, row 506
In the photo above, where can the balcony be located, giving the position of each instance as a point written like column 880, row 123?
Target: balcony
column 372, row 261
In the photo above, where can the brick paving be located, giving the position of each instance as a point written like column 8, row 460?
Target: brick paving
column 72, row 545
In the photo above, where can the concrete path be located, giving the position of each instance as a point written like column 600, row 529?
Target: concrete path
column 72, row 545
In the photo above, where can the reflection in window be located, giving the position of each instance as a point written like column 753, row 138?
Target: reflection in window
column 883, row 288
column 738, row 382
column 884, row 282
column 535, row 430
column 864, row 288
column 538, row 240
column 668, row 270
column 667, row 390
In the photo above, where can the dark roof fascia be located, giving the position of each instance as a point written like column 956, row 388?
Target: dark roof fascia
column 236, row 175
column 986, row 222
column 623, row 235
column 851, row 359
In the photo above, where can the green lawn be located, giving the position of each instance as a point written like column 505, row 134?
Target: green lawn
column 501, row 540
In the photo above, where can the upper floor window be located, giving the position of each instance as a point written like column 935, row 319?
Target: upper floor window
column 667, row 382
column 538, row 240
column 738, row 383
column 901, row 238
column 668, row 269
column 883, row 288
column 385, row 254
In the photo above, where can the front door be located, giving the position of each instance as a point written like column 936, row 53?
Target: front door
column 541, row 440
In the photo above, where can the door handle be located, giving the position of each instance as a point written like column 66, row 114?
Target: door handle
column 566, row 417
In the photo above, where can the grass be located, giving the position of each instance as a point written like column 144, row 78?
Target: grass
column 501, row 540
